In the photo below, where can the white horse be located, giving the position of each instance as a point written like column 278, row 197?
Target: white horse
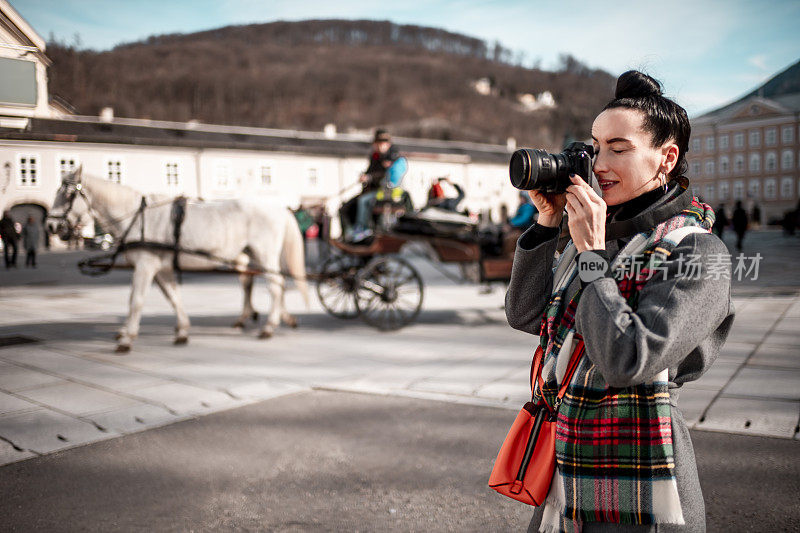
column 234, row 231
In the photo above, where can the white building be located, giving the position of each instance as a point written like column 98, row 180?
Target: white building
column 39, row 143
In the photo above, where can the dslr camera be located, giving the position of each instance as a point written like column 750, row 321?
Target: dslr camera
column 539, row 170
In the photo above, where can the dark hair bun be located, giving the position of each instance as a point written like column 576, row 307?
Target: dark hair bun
column 635, row 84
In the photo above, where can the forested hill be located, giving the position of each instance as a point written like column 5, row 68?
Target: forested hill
column 418, row 81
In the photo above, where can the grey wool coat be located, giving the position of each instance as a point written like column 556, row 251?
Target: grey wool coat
column 681, row 323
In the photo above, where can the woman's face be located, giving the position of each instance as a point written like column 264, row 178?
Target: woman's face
column 626, row 164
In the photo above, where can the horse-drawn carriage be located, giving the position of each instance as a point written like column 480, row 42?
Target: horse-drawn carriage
column 374, row 282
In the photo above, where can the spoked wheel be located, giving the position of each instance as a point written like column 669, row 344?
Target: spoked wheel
column 336, row 286
column 389, row 293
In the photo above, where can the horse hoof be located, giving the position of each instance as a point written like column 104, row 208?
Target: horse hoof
column 123, row 348
column 292, row 323
column 238, row 324
column 265, row 335
column 118, row 336
column 179, row 341
column 254, row 316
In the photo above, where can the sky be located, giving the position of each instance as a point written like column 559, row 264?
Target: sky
column 705, row 52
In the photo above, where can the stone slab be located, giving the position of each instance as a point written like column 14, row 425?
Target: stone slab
column 776, row 355
column 46, row 431
column 736, row 351
column 776, row 384
column 12, row 404
column 77, row 399
column 186, row 399
column 15, row 378
column 715, row 377
column 773, row 418
column 263, row 389
column 8, row 454
column 134, row 418
column 693, row 402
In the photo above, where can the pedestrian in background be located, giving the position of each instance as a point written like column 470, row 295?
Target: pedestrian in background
column 30, row 241
column 720, row 221
column 10, row 236
column 755, row 216
column 625, row 461
column 740, row 224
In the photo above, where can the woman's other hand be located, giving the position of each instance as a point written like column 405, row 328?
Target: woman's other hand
column 587, row 216
column 550, row 207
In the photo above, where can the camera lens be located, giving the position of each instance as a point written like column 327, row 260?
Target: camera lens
column 532, row 169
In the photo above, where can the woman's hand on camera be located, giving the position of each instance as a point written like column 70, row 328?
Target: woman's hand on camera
column 587, row 216
column 550, row 207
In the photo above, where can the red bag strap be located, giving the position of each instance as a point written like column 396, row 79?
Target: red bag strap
column 575, row 358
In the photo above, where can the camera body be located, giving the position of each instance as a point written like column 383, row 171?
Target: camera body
column 539, row 170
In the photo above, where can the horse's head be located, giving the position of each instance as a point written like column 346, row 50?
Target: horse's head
column 70, row 207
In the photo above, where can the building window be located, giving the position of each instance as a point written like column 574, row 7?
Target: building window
column 723, row 142
column 753, row 189
column 222, row 175
column 172, row 173
column 738, row 190
column 695, row 168
column 709, row 168
column 770, row 161
column 769, row 188
column 723, row 190
column 755, row 162
column 28, row 170
column 738, row 163
column 770, row 136
column 266, row 175
column 755, row 138
column 724, row 165
column 710, row 143
column 114, row 170
column 787, row 134
column 312, row 177
column 695, row 145
column 787, row 185
column 738, row 140
column 787, row 160
column 66, row 165
column 709, row 193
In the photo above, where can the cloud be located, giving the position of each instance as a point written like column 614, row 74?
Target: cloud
column 759, row 61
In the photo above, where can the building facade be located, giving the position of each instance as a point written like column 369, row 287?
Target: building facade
column 749, row 152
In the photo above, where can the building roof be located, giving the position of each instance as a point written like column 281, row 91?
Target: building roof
column 81, row 129
column 17, row 25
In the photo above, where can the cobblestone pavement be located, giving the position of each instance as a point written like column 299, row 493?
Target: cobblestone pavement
column 62, row 386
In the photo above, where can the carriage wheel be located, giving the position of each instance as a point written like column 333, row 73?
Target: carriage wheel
column 336, row 286
column 389, row 293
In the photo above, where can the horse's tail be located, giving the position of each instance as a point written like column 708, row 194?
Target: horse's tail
column 294, row 256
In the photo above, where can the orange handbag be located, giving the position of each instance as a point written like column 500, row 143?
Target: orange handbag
column 524, row 467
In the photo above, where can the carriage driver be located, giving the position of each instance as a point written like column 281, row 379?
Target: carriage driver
column 357, row 212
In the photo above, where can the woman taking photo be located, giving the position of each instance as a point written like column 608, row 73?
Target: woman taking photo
column 645, row 286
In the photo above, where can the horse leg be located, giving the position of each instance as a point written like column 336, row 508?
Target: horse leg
column 247, row 308
column 144, row 271
column 165, row 279
column 275, row 287
column 286, row 317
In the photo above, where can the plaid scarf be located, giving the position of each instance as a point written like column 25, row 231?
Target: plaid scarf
column 613, row 446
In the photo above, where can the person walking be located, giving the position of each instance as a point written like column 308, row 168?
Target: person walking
column 740, row 224
column 10, row 237
column 624, row 457
column 721, row 221
column 31, row 235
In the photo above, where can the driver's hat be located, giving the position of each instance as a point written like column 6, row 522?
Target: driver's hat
column 382, row 136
